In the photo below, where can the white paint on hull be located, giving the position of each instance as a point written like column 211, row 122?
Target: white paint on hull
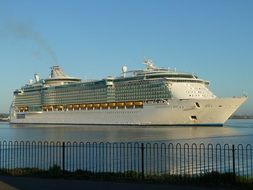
column 175, row 112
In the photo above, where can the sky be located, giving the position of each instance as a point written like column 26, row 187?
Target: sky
column 92, row 39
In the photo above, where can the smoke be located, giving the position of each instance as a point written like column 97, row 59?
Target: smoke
column 26, row 32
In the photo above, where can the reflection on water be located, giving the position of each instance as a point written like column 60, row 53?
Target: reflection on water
column 240, row 131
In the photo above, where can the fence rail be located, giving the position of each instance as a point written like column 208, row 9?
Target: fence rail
column 144, row 159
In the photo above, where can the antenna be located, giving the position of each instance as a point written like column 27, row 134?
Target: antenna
column 149, row 63
column 36, row 77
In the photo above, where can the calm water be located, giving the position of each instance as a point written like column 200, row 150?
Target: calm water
column 234, row 131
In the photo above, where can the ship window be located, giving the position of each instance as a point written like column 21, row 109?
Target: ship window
column 20, row 116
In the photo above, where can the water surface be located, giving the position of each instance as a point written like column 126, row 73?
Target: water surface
column 234, row 131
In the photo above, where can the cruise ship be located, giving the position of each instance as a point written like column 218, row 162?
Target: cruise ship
column 151, row 96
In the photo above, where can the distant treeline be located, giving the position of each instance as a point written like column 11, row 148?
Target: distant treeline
column 241, row 117
column 4, row 115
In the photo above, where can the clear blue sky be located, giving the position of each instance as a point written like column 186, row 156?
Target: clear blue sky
column 95, row 38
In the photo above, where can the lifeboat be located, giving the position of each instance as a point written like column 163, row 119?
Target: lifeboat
column 112, row 105
column 129, row 103
column 83, row 106
column 138, row 103
column 120, row 104
column 89, row 106
column 60, row 107
column 96, row 106
column 104, row 105
column 76, row 107
column 70, row 106
column 50, row 108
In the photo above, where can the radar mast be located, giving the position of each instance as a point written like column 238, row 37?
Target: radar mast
column 149, row 63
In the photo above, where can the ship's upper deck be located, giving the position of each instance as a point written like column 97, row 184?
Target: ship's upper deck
column 153, row 72
column 151, row 83
column 58, row 78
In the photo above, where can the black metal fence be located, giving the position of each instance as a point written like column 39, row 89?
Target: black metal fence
column 144, row 159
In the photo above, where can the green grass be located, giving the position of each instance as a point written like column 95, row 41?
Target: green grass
column 206, row 179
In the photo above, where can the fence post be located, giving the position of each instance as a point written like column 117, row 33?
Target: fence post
column 233, row 151
column 142, row 160
column 63, row 158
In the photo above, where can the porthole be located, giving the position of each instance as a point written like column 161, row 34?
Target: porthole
column 193, row 118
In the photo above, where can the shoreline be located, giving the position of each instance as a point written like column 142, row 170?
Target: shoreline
column 241, row 117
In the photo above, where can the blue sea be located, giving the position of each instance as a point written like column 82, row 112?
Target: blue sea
column 235, row 131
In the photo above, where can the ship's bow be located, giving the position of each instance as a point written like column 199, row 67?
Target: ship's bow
column 218, row 110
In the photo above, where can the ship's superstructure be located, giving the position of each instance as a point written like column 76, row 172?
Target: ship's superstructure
column 153, row 96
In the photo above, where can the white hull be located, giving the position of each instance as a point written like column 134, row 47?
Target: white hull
column 174, row 112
